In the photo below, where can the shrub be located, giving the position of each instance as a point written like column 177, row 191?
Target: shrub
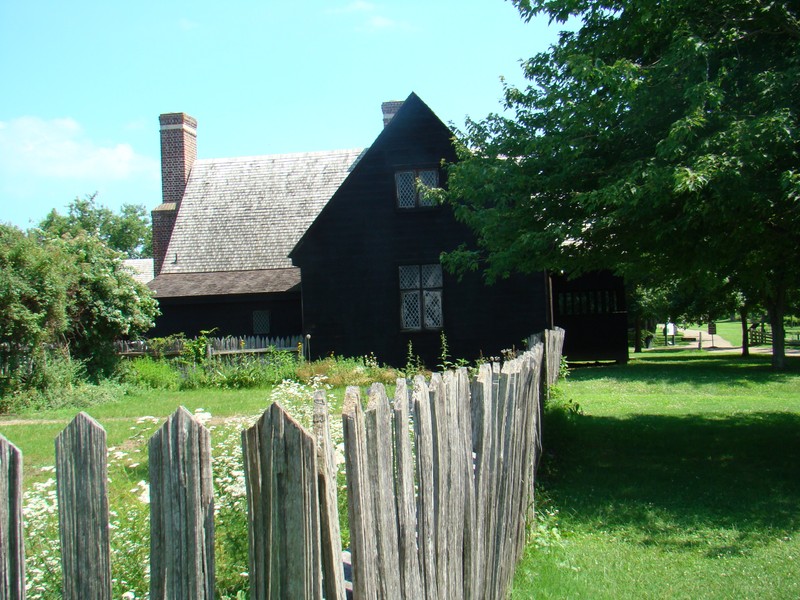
column 151, row 373
column 340, row 371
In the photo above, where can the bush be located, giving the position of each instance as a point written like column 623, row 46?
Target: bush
column 341, row 371
column 151, row 373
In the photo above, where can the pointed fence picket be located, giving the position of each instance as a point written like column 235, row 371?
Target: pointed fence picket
column 439, row 485
column 12, row 545
column 181, row 499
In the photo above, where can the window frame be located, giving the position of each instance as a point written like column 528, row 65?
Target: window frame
column 264, row 314
column 424, row 293
column 416, row 174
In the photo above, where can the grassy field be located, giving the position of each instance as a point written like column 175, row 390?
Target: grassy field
column 675, row 476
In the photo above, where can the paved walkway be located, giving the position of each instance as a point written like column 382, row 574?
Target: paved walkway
column 718, row 343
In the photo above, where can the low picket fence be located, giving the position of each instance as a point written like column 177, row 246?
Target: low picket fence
column 439, row 488
column 252, row 344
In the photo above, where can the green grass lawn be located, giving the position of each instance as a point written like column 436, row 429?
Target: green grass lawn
column 680, row 479
column 675, row 476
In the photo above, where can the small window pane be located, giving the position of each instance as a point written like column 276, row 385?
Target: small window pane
column 433, row 309
column 431, row 276
column 406, row 189
column 411, row 310
column 428, row 178
column 260, row 322
column 409, row 277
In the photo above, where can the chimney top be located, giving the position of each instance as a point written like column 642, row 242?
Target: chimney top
column 183, row 121
column 390, row 109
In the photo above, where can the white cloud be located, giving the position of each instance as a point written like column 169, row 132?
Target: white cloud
column 59, row 148
column 375, row 20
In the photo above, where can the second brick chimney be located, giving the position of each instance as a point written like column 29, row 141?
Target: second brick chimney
column 178, row 153
column 389, row 110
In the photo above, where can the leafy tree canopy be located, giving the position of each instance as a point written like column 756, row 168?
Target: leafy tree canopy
column 72, row 293
column 128, row 232
column 660, row 139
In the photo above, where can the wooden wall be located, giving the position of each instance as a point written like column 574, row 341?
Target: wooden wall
column 351, row 254
column 230, row 315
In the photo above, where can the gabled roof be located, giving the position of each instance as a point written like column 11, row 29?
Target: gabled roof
column 246, row 214
column 411, row 112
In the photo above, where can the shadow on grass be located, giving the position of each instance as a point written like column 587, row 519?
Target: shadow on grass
column 719, row 485
column 698, row 368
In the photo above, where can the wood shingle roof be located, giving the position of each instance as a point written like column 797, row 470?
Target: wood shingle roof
column 246, row 214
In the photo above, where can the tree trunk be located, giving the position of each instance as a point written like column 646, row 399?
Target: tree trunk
column 776, row 308
column 637, row 336
column 744, row 312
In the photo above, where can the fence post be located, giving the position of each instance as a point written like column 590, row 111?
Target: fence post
column 82, row 480
column 380, row 468
column 426, row 509
column 283, row 506
column 332, row 569
column 359, row 497
column 181, row 510
column 12, row 545
column 410, row 577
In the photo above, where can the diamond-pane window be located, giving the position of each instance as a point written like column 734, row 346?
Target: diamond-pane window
column 408, row 195
column 409, row 277
column 260, row 322
column 433, row 309
column 412, row 312
column 430, row 179
column 406, row 189
column 421, row 296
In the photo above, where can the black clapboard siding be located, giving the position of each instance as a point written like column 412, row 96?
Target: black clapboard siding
column 350, row 257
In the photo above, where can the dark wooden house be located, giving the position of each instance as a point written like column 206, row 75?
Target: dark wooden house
column 341, row 246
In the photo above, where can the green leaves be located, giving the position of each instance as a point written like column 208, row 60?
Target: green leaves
column 658, row 139
column 71, row 292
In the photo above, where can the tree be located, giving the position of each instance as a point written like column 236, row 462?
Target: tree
column 64, row 293
column 104, row 301
column 32, row 300
column 128, row 232
column 659, row 139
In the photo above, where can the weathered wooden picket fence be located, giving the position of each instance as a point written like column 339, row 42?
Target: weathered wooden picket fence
column 439, row 484
column 252, row 344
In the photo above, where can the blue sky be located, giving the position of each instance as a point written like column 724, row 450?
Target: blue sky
column 83, row 82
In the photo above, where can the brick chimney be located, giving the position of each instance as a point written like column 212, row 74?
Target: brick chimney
column 178, row 153
column 390, row 109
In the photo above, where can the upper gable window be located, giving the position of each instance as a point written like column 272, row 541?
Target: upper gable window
column 408, row 195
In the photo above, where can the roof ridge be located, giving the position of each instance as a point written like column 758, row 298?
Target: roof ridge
column 281, row 155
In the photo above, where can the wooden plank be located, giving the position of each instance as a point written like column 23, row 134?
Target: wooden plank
column 12, row 539
column 82, row 484
column 426, row 510
column 331, row 541
column 467, row 533
column 482, row 443
column 380, row 467
column 283, row 504
column 495, row 504
column 453, row 496
column 533, row 425
column 410, row 576
column 359, row 498
column 181, row 509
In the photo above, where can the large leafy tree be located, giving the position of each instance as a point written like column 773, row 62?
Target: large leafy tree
column 659, row 139
column 65, row 293
column 128, row 232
